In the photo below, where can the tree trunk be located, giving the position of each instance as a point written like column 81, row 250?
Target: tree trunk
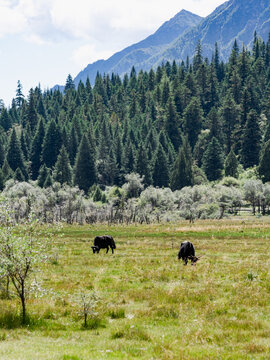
column 22, row 296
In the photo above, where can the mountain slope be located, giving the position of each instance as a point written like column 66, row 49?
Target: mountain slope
column 235, row 19
column 122, row 61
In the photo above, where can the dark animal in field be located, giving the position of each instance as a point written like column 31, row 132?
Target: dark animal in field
column 103, row 242
column 187, row 252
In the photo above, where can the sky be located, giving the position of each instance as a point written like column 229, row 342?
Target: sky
column 42, row 41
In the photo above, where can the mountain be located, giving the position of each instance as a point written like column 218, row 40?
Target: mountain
column 177, row 38
column 235, row 19
column 122, row 61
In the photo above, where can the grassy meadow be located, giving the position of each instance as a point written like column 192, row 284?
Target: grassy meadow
column 150, row 305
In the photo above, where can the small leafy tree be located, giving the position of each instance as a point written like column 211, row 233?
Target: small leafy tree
column 87, row 303
column 23, row 248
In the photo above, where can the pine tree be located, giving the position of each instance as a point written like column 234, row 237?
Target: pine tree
column 213, row 162
column 19, row 95
column 172, row 125
column 84, row 171
column 251, row 144
column 193, row 118
column 24, row 146
column 231, row 165
column 2, row 154
column 264, row 165
column 36, row 149
column 2, row 180
column 62, row 171
column 129, row 158
column 5, row 120
column 198, row 59
column 51, row 144
column 160, row 169
column 42, row 176
column 142, row 166
column 182, row 174
column 48, row 182
column 31, row 117
column 18, row 175
column 229, row 113
column 6, row 170
column 14, row 154
column 69, row 84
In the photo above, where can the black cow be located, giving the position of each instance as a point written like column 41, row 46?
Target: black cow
column 187, row 252
column 103, row 242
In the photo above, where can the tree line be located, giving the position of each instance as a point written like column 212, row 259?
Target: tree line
column 180, row 125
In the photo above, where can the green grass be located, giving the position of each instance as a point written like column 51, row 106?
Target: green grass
column 150, row 305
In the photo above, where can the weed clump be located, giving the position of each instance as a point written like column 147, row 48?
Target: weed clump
column 131, row 333
column 117, row 314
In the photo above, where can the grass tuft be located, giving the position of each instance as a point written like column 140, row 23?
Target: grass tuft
column 131, row 333
column 94, row 324
column 117, row 313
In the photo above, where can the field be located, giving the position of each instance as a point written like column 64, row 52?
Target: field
column 150, row 306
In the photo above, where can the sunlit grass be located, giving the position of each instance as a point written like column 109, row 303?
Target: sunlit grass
column 150, row 305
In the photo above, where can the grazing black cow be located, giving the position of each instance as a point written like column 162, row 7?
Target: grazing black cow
column 187, row 252
column 103, row 242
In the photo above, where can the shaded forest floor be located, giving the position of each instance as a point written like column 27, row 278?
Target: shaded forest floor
column 150, row 305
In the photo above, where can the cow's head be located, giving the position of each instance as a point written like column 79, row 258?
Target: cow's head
column 194, row 259
column 95, row 248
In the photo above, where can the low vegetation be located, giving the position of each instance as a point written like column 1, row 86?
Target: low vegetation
column 141, row 302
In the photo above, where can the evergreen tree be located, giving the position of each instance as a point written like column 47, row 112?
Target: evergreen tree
column 85, row 171
column 230, row 117
column 69, row 84
column 231, row 165
column 62, row 171
column 172, row 125
column 160, row 169
column 251, row 145
column 36, row 149
column 2, row 154
column 73, row 145
column 51, row 144
column 5, row 120
column 42, row 176
column 6, row 170
column 14, row 154
column 182, row 174
column 19, row 95
column 32, row 118
column 24, row 146
column 18, row 175
column 264, row 165
column 142, row 166
column 48, row 182
column 198, row 58
column 2, row 180
column 129, row 158
column 213, row 162
column 193, row 118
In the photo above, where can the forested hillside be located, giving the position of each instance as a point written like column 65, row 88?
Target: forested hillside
column 175, row 126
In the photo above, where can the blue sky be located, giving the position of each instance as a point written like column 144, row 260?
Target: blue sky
column 42, row 41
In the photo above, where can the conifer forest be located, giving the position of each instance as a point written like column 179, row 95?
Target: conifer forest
column 180, row 125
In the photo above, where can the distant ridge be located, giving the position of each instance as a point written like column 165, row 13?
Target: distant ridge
column 122, row 61
column 235, row 19
column 177, row 38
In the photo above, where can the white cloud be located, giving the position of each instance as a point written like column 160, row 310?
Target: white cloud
column 56, row 19
column 87, row 54
column 12, row 21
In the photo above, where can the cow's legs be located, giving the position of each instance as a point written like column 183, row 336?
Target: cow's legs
column 112, row 249
column 107, row 250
